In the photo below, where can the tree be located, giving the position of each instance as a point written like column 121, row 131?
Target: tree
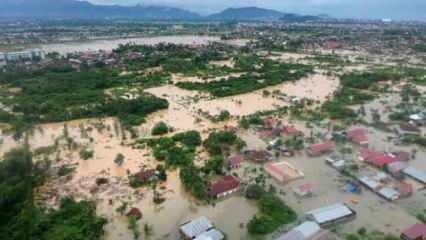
column 254, row 191
column 160, row 128
column 119, row 159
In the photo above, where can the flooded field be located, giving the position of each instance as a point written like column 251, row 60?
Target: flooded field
column 109, row 45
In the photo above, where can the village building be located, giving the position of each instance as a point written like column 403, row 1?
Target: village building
column 378, row 159
column 224, row 187
column 415, row 174
column 320, row 149
column 331, row 215
column 212, row 234
column 146, row 175
column 195, row 228
column 415, row 232
column 409, row 129
column 405, row 189
column 357, row 136
column 336, row 162
column 381, row 184
column 308, row 231
column 283, row 172
column 234, row 161
column 259, row 155
column 291, row 131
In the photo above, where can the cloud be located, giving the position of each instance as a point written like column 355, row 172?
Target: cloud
column 396, row 9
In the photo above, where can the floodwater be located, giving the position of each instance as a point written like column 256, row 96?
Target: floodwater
column 109, row 45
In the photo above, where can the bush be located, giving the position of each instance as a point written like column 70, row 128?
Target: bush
column 119, row 159
column 160, row 128
column 86, row 153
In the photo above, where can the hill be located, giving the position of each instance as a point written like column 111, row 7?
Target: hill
column 247, row 14
column 86, row 10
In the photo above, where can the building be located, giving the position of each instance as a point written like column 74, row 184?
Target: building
column 415, row 174
column 378, row 159
column 308, row 231
column 357, row 136
column 319, row 149
column 200, row 229
column 416, row 232
column 135, row 213
column 194, row 228
column 283, row 172
column 303, row 190
column 212, row 234
column 24, row 55
column 260, row 155
column 331, row 215
column 224, row 187
column 146, row 175
column 291, row 131
column 234, row 161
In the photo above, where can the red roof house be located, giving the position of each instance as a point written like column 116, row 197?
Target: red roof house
column 260, row 155
column 288, row 130
column 227, row 185
column 378, row 159
column 134, row 212
column 416, row 232
column 358, row 136
column 319, row 149
column 234, row 161
column 265, row 133
column 270, row 122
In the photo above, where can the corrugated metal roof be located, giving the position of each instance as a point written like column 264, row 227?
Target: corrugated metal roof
column 196, row 227
column 415, row 173
column 330, row 213
column 389, row 193
column 212, row 234
column 308, row 228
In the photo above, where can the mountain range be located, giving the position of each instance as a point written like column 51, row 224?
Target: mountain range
column 84, row 10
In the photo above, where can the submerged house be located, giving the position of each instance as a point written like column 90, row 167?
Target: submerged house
column 308, row 231
column 200, row 229
column 357, row 136
column 415, row 232
column 320, row 149
column 331, row 215
column 224, row 187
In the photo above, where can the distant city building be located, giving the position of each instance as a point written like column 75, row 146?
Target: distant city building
column 21, row 55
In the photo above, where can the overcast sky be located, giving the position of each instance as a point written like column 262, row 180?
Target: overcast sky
column 395, row 9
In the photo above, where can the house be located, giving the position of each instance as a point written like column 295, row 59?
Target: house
column 357, row 136
column 308, row 231
column 319, row 149
column 283, row 172
column 291, row 131
column 270, row 122
column 194, row 228
column 146, row 175
column 224, row 187
column 266, row 133
column 331, row 215
column 401, row 156
column 335, row 162
column 260, row 155
column 303, row 190
column 234, row 161
column 409, row 129
column 416, row 232
column 405, row 189
column 378, row 159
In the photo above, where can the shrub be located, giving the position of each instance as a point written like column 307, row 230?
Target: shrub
column 160, row 128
